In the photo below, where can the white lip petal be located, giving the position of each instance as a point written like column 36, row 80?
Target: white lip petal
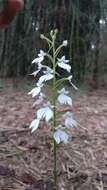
column 64, row 66
column 64, row 99
column 61, row 136
column 70, row 122
column 35, row 91
column 45, row 113
column 34, row 125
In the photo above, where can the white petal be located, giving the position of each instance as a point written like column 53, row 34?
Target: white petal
column 41, row 113
column 41, row 79
column 34, row 124
column 42, row 53
column 48, row 77
column 45, row 113
column 39, row 84
column 57, row 137
column 64, row 66
column 62, row 59
column 61, row 136
column 63, row 91
column 64, row 99
column 45, row 78
column 70, row 122
column 48, row 70
column 38, row 60
column 49, row 114
column 35, row 91
column 35, row 73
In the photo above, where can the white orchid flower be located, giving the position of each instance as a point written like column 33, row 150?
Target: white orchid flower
column 61, row 136
column 41, row 54
column 38, row 60
column 34, row 125
column 48, row 75
column 63, row 98
column 63, row 91
column 40, row 57
column 69, row 121
column 36, row 91
column 62, row 63
column 40, row 66
column 45, row 113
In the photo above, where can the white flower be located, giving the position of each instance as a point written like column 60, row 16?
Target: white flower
column 34, row 124
column 45, row 113
column 40, row 66
column 42, row 53
column 40, row 57
column 38, row 60
column 63, row 98
column 47, row 75
column 63, row 91
column 65, row 43
column 62, row 64
column 35, row 91
column 61, row 136
column 69, row 121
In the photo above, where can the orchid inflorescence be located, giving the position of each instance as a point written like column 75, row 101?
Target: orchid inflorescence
column 59, row 96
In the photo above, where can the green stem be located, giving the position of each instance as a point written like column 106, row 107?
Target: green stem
column 54, row 117
column 55, row 166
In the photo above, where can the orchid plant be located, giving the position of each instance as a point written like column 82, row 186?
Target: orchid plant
column 49, row 112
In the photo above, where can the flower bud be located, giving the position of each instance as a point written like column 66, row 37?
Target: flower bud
column 42, row 36
column 65, row 43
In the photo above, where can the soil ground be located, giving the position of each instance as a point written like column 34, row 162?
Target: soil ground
column 26, row 160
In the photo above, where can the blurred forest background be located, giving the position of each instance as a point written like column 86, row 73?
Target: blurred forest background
column 82, row 22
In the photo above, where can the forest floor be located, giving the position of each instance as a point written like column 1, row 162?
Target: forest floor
column 26, row 160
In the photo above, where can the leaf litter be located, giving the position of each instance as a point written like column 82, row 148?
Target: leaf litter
column 26, row 160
